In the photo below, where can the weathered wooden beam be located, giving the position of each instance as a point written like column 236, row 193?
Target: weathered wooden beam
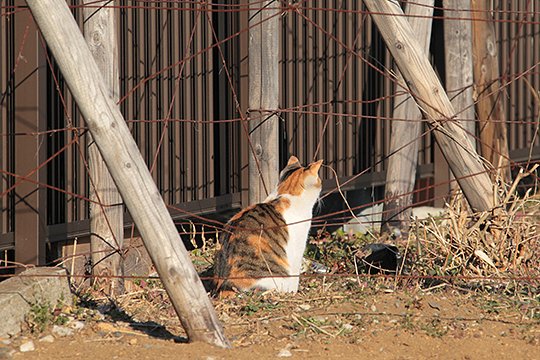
column 429, row 94
column 405, row 135
column 490, row 97
column 106, row 207
column 263, row 98
column 129, row 171
column 459, row 62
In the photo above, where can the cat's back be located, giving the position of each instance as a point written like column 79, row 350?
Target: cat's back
column 253, row 219
column 253, row 245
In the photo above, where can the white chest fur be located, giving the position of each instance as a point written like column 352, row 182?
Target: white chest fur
column 298, row 219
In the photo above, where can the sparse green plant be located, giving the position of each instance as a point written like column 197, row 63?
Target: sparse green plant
column 407, row 322
column 336, row 251
column 491, row 306
column 61, row 320
column 435, row 328
column 258, row 303
column 39, row 317
column 43, row 314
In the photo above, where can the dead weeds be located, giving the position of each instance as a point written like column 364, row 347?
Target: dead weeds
column 462, row 275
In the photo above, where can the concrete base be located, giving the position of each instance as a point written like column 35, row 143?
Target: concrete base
column 33, row 286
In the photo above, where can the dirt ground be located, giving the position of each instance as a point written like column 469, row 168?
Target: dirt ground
column 338, row 319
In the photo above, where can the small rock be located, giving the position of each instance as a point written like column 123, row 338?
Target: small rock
column 98, row 316
column 132, row 342
column 434, row 305
column 62, row 331
column 105, row 326
column 4, row 353
column 27, row 346
column 77, row 325
column 320, row 319
column 284, row 353
column 5, row 341
column 304, row 306
column 347, row 327
column 373, row 308
column 47, row 339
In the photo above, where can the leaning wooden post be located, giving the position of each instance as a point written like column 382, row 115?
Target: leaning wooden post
column 405, row 135
column 263, row 50
column 490, row 105
column 129, row 171
column 429, row 94
column 107, row 219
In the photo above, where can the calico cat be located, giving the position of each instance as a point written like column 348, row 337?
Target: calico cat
column 262, row 246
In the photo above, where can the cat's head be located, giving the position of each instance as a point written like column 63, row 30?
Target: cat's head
column 296, row 179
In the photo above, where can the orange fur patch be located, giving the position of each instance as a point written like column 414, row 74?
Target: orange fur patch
column 264, row 249
column 226, row 294
column 293, row 184
column 260, row 243
column 282, row 204
column 239, row 279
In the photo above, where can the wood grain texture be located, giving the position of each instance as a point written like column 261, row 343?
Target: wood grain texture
column 129, row 171
column 106, row 220
column 405, row 135
column 490, row 97
column 263, row 99
column 459, row 63
column 426, row 88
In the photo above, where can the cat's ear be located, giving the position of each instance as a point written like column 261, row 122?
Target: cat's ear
column 293, row 160
column 315, row 166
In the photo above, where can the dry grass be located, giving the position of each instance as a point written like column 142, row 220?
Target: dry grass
column 462, row 244
column 490, row 262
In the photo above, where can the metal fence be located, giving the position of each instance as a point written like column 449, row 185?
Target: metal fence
column 184, row 109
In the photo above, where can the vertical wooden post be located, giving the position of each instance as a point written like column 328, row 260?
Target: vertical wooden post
column 459, row 70
column 405, row 135
column 30, row 150
column 107, row 219
column 490, row 102
column 263, row 98
column 458, row 60
column 129, row 171
column 428, row 92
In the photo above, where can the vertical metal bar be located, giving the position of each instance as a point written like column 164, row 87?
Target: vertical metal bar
column 200, row 158
column 310, row 44
column 7, row 117
column 159, row 104
column 30, row 152
column 168, row 91
column 302, row 56
column 244, row 104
